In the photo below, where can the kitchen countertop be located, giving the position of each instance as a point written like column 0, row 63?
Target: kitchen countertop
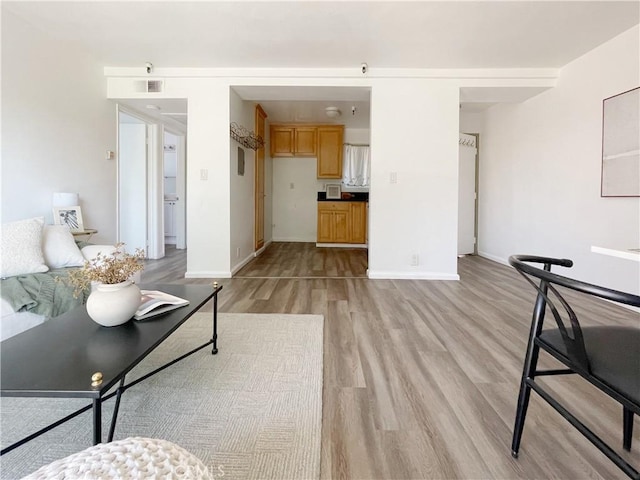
column 354, row 197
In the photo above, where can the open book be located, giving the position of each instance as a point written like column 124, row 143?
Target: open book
column 154, row 302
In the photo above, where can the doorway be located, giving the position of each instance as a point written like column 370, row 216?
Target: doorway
column 141, row 207
column 174, row 189
column 467, row 194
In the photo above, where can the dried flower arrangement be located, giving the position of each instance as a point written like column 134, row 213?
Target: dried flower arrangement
column 110, row 269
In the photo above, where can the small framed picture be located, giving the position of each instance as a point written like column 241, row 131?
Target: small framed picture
column 70, row 216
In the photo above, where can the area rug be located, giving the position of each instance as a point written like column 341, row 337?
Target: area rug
column 252, row 411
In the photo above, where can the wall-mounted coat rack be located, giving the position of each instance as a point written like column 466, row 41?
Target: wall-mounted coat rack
column 246, row 137
column 467, row 142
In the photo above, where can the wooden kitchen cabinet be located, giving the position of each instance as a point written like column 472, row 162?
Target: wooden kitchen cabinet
column 330, row 140
column 358, row 222
column 305, row 141
column 342, row 222
column 293, row 141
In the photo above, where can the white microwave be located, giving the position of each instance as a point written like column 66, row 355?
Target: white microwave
column 333, row 191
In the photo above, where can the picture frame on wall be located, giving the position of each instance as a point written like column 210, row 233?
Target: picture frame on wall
column 69, row 216
column 621, row 145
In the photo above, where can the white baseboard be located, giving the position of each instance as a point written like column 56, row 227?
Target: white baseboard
column 494, row 258
column 249, row 257
column 382, row 275
column 294, row 239
column 260, row 250
column 342, row 245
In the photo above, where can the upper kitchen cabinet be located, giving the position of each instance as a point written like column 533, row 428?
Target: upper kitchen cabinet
column 330, row 151
column 293, row 141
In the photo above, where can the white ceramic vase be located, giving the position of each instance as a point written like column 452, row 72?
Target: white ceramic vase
column 112, row 305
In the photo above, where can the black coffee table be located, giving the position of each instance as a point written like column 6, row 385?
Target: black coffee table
column 60, row 357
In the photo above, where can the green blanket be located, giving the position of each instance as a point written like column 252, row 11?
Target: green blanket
column 40, row 293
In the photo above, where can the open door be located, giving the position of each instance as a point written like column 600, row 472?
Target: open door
column 467, row 194
column 132, row 182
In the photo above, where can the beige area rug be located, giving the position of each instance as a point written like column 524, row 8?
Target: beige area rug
column 254, row 410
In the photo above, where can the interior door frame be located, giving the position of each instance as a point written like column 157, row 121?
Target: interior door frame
column 476, row 190
column 154, row 245
column 119, row 174
column 181, row 189
column 259, row 185
column 475, row 227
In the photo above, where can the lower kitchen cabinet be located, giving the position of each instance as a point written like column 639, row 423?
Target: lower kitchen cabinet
column 358, row 222
column 342, row 222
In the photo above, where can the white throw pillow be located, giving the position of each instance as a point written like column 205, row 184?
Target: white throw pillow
column 21, row 251
column 59, row 247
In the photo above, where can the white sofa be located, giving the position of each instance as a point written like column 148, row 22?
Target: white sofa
column 32, row 255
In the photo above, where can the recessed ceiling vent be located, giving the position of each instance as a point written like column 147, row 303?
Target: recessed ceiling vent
column 154, row 86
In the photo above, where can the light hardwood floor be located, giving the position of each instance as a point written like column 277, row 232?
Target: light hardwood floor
column 421, row 377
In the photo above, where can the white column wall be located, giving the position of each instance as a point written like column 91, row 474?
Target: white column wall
column 540, row 167
column 208, row 201
column 414, row 134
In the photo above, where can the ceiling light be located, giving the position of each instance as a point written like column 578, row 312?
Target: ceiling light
column 153, row 107
column 332, row 112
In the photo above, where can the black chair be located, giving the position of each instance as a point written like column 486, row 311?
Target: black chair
column 606, row 356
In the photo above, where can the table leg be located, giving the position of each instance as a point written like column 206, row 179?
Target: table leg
column 114, row 418
column 215, row 324
column 97, row 421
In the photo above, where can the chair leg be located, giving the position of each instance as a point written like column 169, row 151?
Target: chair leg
column 627, row 428
column 530, row 364
column 521, row 413
column 528, row 370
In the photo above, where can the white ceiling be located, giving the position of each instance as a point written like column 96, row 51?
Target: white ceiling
column 338, row 34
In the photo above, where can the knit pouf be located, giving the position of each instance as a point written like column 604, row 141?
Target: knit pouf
column 131, row 458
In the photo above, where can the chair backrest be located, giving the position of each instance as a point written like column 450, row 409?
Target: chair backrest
column 547, row 293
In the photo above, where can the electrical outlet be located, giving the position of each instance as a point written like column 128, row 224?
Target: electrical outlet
column 393, row 177
column 204, row 174
column 415, row 260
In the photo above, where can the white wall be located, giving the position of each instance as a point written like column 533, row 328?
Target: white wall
column 540, row 165
column 418, row 214
column 209, row 199
column 56, row 128
column 242, row 186
column 471, row 122
column 357, row 135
